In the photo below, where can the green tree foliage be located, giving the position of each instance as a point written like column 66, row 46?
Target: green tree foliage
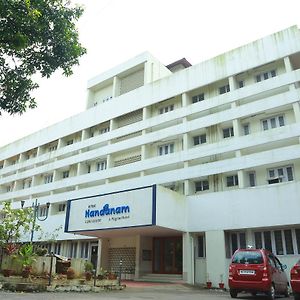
column 36, row 36
column 15, row 223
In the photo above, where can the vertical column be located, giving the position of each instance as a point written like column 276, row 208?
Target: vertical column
column 99, row 256
column 215, row 256
column 241, row 173
column 148, row 72
column 137, row 256
column 185, row 99
column 116, row 87
column 188, row 264
column 289, row 68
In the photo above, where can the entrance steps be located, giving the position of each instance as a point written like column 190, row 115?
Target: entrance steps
column 164, row 278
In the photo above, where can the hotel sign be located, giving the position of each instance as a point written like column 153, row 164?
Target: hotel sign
column 122, row 209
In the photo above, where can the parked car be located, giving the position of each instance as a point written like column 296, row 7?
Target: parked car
column 295, row 280
column 255, row 271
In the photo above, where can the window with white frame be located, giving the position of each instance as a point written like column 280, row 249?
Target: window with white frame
column 232, row 180
column 265, row 75
column 166, row 109
column 241, row 84
column 43, row 210
column 280, row 174
column 237, row 240
column 61, row 207
column 70, row 142
column 104, row 130
column 198, row 98
column 199, row 139
column 66, row 174
column 166, row 149
column 48, row 178
column 52, row 148
column 201, row 246
column 101, row 165
column 246, row 129
column 57, row 248
column 273, row 122
column 224, row 89
column 228, row 132
column 252, row 178
column 281, row 241
column 201, row 185
column 84, row 249
column 73, row 250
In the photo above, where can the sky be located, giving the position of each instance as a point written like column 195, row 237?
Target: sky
column 114, row 31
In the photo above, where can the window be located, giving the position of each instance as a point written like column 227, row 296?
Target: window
column 201, row 246
column 61, row 207
column 166, row 149
column 201, row 185
column 57, row 248
column 43, row 210
column 252, row 179
column 70, row 142
column 246, row 129
column 66, row 174
column 281, row 242
column 52, row 148
column 198, row 98
column 89, row 168
column 104, row 130
column 228, row 132
column 84, row 250
column 199, row 139
column 237, row 240
column 48, row 178
column 232, row 180
column 281, row 174
column 166, row 109
column 101, row 165
column 73, row 250
column 224, row 89
column 273, row 122
column 265, row 75
column 241, row 84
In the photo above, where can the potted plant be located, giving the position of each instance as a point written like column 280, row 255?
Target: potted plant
column 88, row 268
column 208, row 282
column 27, row 257
column 70, row 273
column 221, row 283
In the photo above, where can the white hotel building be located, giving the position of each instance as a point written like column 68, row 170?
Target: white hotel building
column 172, row 168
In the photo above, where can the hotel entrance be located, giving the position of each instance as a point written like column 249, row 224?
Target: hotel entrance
column 167, row 255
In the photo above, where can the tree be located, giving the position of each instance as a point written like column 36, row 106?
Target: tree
column 36, row 37
column 15, row 224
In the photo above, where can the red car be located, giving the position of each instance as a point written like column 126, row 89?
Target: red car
column 255, row 271
column 295, row 280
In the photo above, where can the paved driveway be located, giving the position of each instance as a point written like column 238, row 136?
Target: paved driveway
column 135, row 292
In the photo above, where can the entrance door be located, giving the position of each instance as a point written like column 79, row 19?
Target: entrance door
column 167, row 255
column 94, row 256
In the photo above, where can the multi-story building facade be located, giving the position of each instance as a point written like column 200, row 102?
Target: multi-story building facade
column 173, row 167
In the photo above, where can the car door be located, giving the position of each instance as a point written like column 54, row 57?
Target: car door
column 274, row 271
column 282, row 277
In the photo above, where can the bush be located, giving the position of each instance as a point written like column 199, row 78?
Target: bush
column 41, row 251
column 88, row 266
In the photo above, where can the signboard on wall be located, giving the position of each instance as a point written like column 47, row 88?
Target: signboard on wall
column 122, row 209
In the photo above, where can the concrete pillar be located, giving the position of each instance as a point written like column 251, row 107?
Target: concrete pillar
column 137, row 256
column 116, row 87
column 185, row 99
column 232, row 83
column 148, row 72
column 215, row 256
column 188, row 254
column 296, row 108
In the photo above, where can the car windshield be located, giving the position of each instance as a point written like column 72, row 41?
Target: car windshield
column 247, row 257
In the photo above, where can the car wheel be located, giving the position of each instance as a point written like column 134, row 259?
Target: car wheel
column 271, row 293
column 233, row 293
